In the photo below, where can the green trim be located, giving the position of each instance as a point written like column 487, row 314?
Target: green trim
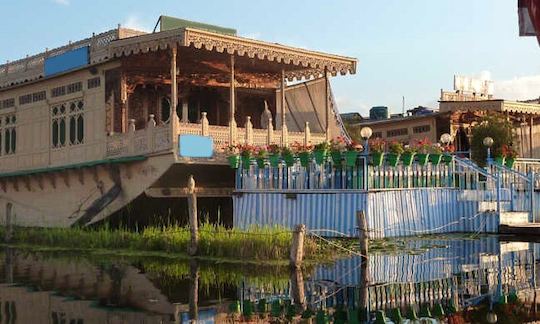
column 73, row 166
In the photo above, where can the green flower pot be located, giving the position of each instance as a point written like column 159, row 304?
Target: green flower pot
column 447, row 158
column 261, row 163
column 336, row 157
column 350, row 158
column 289, row 159
column 246, row 161
column 320, row 156
column 435, row 159
column 377, row 158
column 274, row 160
column 262, row 306
column 305, row 158
column 499, row 160
column 234, row 307
column 234, row 161
column 248, row 308
column 407, row 158
column 392, row 159
column 422, row 158
column 510, row 162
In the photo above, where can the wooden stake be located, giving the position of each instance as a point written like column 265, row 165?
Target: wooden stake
column 193, row 222
column 297, row 287
column 297, row 246
column 362, row 233
column 193, row 290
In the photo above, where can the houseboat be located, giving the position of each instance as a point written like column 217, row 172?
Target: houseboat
column 89, row 127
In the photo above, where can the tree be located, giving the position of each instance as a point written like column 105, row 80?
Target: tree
column 496, row 127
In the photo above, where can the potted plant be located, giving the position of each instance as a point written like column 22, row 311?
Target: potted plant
column 447, row 155
column 288, row 156
column 376, row 147
column 336, row 147
column 246, row 153
column 274, row 152
column 320, row 152
column 395, row 149
column 422, row 149
column 304, row 153
column 262, row 155
column 510, row 155
column 435, row 154
column 351, row 154
column 499, row 154
column 409, row 151
column 233, row 156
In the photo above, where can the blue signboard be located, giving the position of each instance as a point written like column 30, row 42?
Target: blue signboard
column 196, row 146
column 66, row 61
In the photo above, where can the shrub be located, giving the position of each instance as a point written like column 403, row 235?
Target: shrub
column 496, row 127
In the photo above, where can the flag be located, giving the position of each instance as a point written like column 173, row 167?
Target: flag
column 529, row 18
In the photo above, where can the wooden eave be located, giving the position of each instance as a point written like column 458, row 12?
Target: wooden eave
column 300, row 63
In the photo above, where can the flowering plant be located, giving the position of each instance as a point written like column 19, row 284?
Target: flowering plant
column 286, row 151
column 377, row 145
column 274, row 149
column 396, row 148
column 354, row 146
column 338, row 145
column 423, row 146
column 247, row 150
column 450, row 148
column 261, row 152
column 435, row 149
column 300, row 148
column 231, row 149
column 322, row 146
column 409, row 149
column 509, row 152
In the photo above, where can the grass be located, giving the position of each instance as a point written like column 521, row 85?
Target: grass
column 257, row 243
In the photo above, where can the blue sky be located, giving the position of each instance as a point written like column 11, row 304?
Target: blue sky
column 408, row 48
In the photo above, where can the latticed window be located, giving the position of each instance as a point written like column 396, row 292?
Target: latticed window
column 67, row 124
column 8, row 130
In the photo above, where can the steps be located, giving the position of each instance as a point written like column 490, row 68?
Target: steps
column 513, row 218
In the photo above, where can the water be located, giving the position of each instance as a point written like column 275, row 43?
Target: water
column 469, row 280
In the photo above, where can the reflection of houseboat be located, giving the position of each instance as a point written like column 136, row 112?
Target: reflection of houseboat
column 88, row 127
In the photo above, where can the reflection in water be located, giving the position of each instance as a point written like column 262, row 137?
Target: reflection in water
column 454, row 279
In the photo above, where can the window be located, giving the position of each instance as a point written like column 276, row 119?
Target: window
column 67, row 125
column 421, row 129
column 58, row 91
column 397, row 132
column 74, row 87
column 377, row 135
column 26, row 99
column 165, row 108
column 94, row 83
column 7, row 103
column 8, row 131
column 39, row 96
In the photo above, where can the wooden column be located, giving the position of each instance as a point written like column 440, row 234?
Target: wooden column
column 327, row 104
column 232, row 105
column 284, row 129
column 174, row 89
column 124, row 103
column 531, row 137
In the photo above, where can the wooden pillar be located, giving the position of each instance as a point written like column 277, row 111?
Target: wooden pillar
column 531, row 137
column 232, row 105
column 185, row 111
column 284, row 130
column 297, row 246
column 123, row 103
column 193, row 222
column 327, row 104
column 173, row 117
column 362, row 233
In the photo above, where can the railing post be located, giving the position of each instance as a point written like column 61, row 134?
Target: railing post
column 307, row 134
column 150, row 127
column 249, row 131
column 204, row 124
column 270, row 132
column 284, row 135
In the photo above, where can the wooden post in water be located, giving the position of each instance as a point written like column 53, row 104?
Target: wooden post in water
column 362, row 233
column 193, row 222
column 297, row 287
column 297, row 246
column 193, row 290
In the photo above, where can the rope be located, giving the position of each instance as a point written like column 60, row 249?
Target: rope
column 337, row 245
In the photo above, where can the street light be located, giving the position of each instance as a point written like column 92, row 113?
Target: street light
column 488, row 142
column 446, row 138
column 366, row 133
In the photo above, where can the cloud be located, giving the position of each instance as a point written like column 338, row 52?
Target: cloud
column 348, row 104
column 134, row 22
column 518, row 88
column 62, row 2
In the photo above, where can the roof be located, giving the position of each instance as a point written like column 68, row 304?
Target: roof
column 368, row 122
column 125, row 42
column 499, row 105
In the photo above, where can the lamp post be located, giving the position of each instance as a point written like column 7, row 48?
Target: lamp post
column 446, row 139
column 488, row 143
column 366, row 133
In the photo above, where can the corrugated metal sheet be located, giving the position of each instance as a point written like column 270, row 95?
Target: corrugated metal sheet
column 390, row 213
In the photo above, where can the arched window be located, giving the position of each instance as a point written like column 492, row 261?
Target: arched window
column 13, row 140
column 67, row 124
column 7, row 139
column 165, row 109
column 62, row 132
column 55, row 133
column 80, row 128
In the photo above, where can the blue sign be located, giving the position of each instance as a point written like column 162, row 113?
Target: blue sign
column 196, row 146
column 66, row 61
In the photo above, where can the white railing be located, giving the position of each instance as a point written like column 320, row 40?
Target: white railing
column 137, row 142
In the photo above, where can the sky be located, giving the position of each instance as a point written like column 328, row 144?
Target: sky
column 409, row 48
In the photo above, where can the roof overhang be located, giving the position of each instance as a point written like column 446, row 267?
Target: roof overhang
column 490, row 105
column 307, row 63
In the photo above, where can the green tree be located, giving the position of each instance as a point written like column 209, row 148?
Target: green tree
column 496, row 127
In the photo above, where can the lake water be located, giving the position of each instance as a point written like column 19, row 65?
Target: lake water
column 456, row 279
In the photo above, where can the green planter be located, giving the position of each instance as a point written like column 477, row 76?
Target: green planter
column 510, row 162
column 261, row 163
column 234, row 161
column 377, row 158
column 274, row 160
column 234, row 307
column 246, row 161
column 499, row 160
column 289, row 159
column 392, row 159
column 305, row 158
column 320, row 156
column 435, row 159
column 336, row 157
column 350, row 158
column 447, row 158
column 248, row 308
column 407, row 158
column 422, row 158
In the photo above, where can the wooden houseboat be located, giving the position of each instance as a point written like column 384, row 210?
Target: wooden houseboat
column 91, row 126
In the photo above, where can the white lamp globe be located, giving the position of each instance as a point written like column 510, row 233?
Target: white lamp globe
column 366, row 132
column 446, row 138
column 488, row 141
